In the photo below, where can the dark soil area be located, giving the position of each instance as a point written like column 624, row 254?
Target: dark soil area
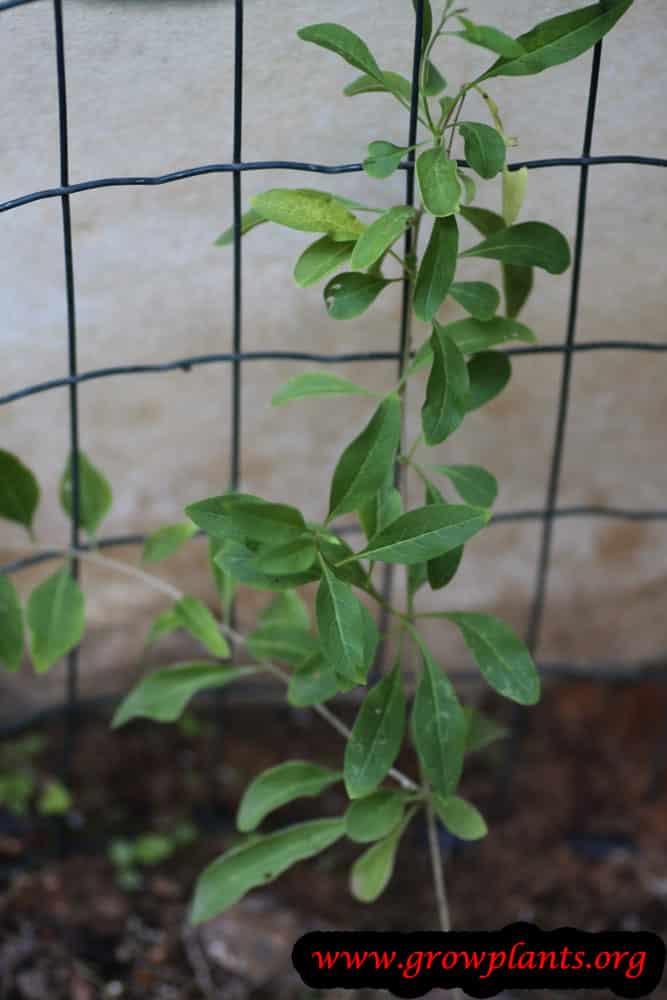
column 581, row 845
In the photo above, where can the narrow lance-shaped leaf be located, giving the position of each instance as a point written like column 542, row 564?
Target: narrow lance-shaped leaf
column 560, row 39
column 374, row 816
column 438, row 182
column 489, row 38
column 249, row 220
column 19, row 490
column 350, row 294
column 437, row 268
column 340, row 626
column 474, row 484
column 438, row 726
column 441, row 570
column 446, row 390
column 381, row 235
column 199, row 622
column 473, row 335
column 425, row 533
column 279, row 785
column 376, row 736
column 166, row 540
column 484, row 148
column 344, row 43
column 478, row 298
column 311, row 384
column 528, row 244
column 489, row 373
column 56, row 618
column 11, row 625
column 307, row 210
column 163, row 695
column 259, row 861
column 362, row 468
column 94, row 494
column 321, row 258
column 501, row 656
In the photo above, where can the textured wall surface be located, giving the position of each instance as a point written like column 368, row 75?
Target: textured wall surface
column 150, row 91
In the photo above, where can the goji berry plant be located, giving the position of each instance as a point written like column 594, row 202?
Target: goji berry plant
column 271, row 546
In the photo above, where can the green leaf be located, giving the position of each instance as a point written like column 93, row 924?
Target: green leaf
column 436, row 271
column 484, row 148
column 473, row 335
column 417, row 577
column 238, row 560
column 490, row 38
column 295, row 779
column 344, row 43
column 438, row 726
column 514, row 192
column 371, row 638
column 287, row 610
column 312, row 683
column 381, row 509
column 340, row 625
column 425, row 533
column 528, row 244
column 388, row 82
column 56, row 618
column 11, row 625
column 242, row 515
column 55, row 800
column 474, row 484
column 481, row 730
column 383, row 159
column 94, row 494
column 335, row 550
column 381, row 235
column 375, row 816
column 167, row 540
column 349, row 294
column 199, row 622
column 163, row 695
column 164, row 623
column 517, row 285
column 560, row 39
column 282, row 642
column 434, row 81
column 478, row 298
column 489, row 373
column 19, row 490
column 224, row 584
column 321, row 258
column 307, row 210
column 372, row 872
column 289, row 557
column 500, row 655
column 259, row 861
column 363, row 467
column 376, row 736
column 446, row 391
column 317, row 384
column 469, row 187
column 438, row 182
column 460, row 817
column 249, row 220
column 442, row 570
column 483, row 219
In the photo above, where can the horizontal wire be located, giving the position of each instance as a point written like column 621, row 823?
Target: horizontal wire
column 581, row 510
column 197, row 360
column 318, row 168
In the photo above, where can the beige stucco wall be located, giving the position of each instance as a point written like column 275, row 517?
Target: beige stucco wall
column 150, row 91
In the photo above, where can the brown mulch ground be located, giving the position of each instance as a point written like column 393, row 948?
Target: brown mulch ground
column 581, row 846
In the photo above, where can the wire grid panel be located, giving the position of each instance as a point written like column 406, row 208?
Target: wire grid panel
column 546, row 515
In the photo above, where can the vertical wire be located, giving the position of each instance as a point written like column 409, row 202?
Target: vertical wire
column 548, row 517
column 235, row 461
column 63, row 135
column 388, row 571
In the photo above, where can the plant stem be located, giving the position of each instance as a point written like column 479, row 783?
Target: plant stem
column 164, row 587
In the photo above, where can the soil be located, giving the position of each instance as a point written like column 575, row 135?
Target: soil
column 578, row 843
